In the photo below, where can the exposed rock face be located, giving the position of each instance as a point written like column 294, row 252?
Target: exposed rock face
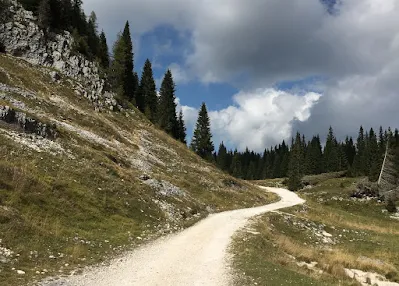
column 22, row 37
column 28, row 124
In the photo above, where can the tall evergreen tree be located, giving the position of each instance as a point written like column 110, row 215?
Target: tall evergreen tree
column 93, row 40
column 103, row 55
column 350, row 150
column 221, row 159
column 359, row 164
column 381, row 141
column 373, row 157
column 78, row 17
column 294, row 168
column 181, row 128
column 202, row 140
column 129, row 83
column 331, row 153
column 117, row 74
column 314, row 156
column 147, row 90
column 167, row 119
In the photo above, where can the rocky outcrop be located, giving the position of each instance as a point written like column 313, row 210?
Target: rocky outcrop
column 21, row 37
column 27, row 123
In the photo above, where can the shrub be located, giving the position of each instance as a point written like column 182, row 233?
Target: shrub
column 391, row 207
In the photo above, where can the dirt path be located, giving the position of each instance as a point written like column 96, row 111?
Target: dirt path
column 195, row 256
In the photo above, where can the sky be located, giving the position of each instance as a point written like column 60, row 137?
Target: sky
column 269, row 68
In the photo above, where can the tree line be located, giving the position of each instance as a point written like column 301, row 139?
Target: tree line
column 302, row 157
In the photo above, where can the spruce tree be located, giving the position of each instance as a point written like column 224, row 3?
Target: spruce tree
column 221, row 159
column 202, row 140
column 93, row 40
column 136, row 82
column 103, row 55
column 147, row 90
column 381, row 141
column 314, row 156
column 167, row 119
column 117, row 74
column 129, row 84
column 373, row 157
column 359, row 164
column 331, row 153
column 181, row 128
column 78, row 17
column 294, row 168
column 350, row 150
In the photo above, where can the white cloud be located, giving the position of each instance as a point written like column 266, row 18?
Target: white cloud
column 259, row 119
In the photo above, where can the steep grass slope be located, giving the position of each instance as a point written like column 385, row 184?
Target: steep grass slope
column 108, row 181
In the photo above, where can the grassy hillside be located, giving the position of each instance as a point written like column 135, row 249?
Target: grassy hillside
column 330, row 229
column 109, row 181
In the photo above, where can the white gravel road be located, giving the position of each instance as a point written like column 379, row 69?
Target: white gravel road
column 195, row 256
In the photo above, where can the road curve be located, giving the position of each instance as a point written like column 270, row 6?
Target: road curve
column 195, row 256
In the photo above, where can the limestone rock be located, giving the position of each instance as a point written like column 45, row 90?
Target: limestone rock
column 22, row 37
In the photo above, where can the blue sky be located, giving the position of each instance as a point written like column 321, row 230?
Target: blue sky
column 269, row 68
column 164, row 46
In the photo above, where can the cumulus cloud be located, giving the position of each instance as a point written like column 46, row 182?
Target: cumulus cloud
column 258, row 119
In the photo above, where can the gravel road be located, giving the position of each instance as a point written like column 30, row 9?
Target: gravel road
column 195, row 256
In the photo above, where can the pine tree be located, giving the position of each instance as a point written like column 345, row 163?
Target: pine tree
column 350, row 150
column 331, row 153
column 314, row 156
column 103, row 55
column 117, row 74
column 373, row 157
column 182, row 128
column 128, row 85
column 295, row 169
column 78, row 17
column 202, row 139
column 93, row 40
column 221, row 159
column 147, row 90
column 359, row 164
column 381, row 141
column 167, row 119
